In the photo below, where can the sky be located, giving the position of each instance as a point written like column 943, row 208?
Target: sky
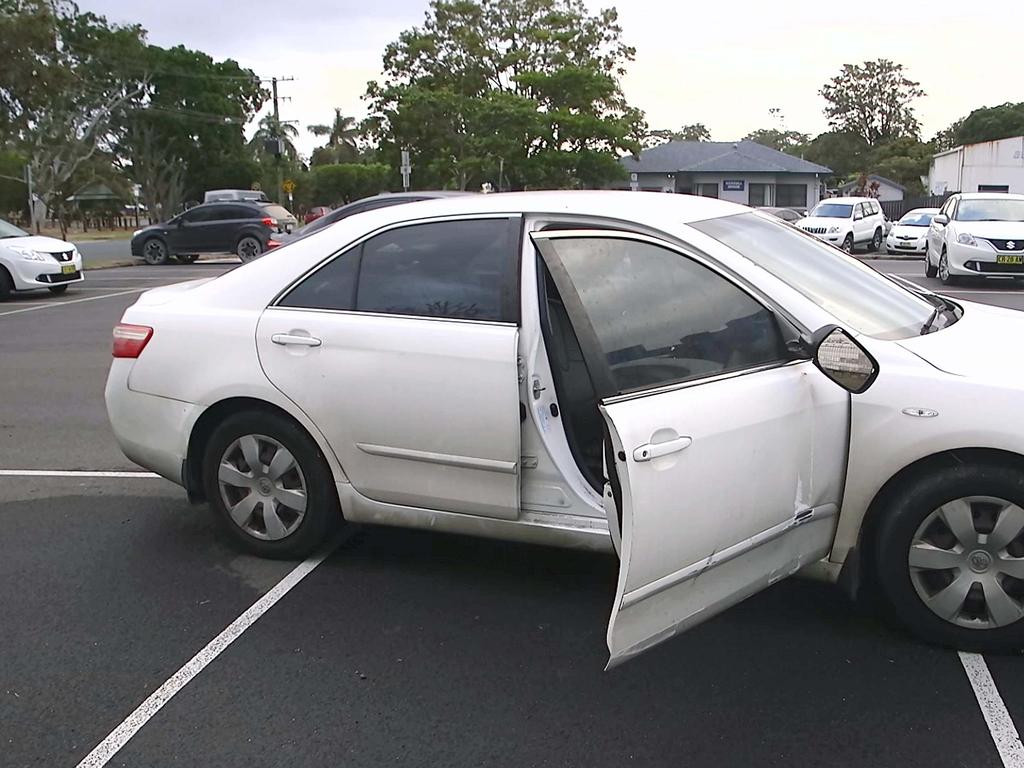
column 724, row 64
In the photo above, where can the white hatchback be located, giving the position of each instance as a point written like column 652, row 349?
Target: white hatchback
column 977, row 235
column 717, row 397
column 910, row 234
column 29, row 262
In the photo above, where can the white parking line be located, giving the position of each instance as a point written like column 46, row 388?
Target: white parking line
column 71, row 473
column 54, row 305
column 1000, row 725
column 117, row 738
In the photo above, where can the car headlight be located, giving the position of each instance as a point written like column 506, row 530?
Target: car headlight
column 833, row 230
column 966, row 238
column 28, row 254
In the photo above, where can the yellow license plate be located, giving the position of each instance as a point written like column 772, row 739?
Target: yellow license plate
column 1010, row 259
column 67, row 269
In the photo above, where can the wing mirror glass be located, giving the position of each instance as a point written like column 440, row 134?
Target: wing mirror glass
column 838, row 355
column 941, row 219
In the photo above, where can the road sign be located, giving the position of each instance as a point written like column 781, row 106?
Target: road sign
column 288, row 186
column 406, row 169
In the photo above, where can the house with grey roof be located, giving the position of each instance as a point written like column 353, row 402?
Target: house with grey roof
column 878, row 186
column 739, row 171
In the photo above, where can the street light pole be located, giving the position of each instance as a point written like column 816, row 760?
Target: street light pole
column 31, row 201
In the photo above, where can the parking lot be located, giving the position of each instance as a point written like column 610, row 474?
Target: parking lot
column 400, row 647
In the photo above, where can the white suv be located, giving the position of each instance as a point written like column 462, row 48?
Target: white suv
column 979, row 234
column 847, row 222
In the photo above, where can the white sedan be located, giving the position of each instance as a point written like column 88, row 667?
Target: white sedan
column 718, row 397
column 29, row 262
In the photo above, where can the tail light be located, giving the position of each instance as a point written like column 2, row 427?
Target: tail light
column 130, row 340
column 273, row 244
column 269, row 222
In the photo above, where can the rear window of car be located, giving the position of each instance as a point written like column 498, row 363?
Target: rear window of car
column 277, row 211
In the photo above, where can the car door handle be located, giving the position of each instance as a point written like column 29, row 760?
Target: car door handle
column 649, row 451
column 284, row 339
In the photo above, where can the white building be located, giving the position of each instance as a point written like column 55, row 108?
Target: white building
column 738, row 171
column 991, row 166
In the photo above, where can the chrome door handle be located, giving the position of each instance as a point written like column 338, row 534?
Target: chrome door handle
column 285, row 339
column 649, row 451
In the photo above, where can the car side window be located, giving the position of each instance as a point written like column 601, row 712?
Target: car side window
column 453, row 269
column 197, row 215
column 660, row 317
column 240, row 212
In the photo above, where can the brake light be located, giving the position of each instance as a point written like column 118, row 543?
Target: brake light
column 273, row 244
column 269, row 222
column 130, row 340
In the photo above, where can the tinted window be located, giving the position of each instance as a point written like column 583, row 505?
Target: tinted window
column 854, row 293
column 660, row 317
column 791, row 195
column 199, row 214
column 457, row 269
column 243, row 212
column 333, row 286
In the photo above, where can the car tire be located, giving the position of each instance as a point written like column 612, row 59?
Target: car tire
column 272, row 524
column 6, row 284
column 154, row 252
column 848, row 243
column 187, row 258
column 943, row 271
column 249, row 248
column 876, row 241
column 57, row 290
column 913, row 529
column 930, row 270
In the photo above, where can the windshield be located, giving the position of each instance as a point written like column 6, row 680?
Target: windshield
column 9, row 230
column 832, row 211
column 990, row 209
column 855, row 294
column 915, row 219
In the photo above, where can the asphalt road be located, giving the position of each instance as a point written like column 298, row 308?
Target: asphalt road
column 402, row 647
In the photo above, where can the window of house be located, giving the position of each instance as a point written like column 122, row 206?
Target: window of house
column 791, row 195
column 759, row 195
column 660, row 317
column 708, row 190
column 993, row 187
column 453, row 269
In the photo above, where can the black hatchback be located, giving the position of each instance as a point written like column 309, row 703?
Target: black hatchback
column 244, row 228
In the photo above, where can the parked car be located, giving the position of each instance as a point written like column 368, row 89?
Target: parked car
column 910, row 234
column 719, row 398
column 977, row 234
column 227, row 195
column 847, row 222
column 30, row 262
column 244, row 228
column 786, row 214
column 366, row 204
column 315, row 213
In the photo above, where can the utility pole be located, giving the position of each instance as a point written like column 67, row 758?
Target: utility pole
column 277, row 127
column 31, row 201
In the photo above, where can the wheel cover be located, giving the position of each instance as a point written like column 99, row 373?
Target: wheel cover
column 848, row 244
column 877, row 239
column 154, row 251
column 262, row 487
column 966, row 562
column 943, row 267
column 248, row 249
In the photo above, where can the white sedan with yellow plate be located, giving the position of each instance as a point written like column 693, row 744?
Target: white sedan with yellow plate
column 29, row 262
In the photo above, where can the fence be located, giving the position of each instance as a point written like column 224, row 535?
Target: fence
column 894, row 209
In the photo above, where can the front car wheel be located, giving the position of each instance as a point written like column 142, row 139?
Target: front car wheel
column 950, row 557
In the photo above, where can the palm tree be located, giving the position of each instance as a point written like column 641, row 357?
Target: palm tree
column 341, row 136
column 271, row 128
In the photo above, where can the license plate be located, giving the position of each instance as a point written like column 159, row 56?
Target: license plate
column 904, row 245
column 68, row 269
column 1016, row 258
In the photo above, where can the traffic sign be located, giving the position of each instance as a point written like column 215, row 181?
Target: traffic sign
column 288, row 186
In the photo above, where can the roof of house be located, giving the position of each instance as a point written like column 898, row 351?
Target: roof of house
column 875, row 177
column 718, row 157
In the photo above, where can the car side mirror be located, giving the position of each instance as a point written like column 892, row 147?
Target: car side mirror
column 941, row 219
column 838, row 355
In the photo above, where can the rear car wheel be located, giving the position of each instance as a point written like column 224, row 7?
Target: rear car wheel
column 6, row 284
column 270, row 485
column 249, row 248
column 155, row 252
column 57, row 290
column 950, row 557
column 876, row 241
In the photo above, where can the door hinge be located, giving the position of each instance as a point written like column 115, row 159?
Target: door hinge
column 521, row 369
column 528, row 462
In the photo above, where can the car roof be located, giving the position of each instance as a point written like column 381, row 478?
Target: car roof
column 920, row 210
column 990, row 196
column 846, row 199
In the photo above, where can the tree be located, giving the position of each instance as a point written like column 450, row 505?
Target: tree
column 269, row 129
column 62, row 109
column 778, row 138
column 903, row 160
column 984, row 124
column 344, row 182
column 692, row 132
column 342, row 140
column 843, row 152
column 872, row 100
column 524, row 90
